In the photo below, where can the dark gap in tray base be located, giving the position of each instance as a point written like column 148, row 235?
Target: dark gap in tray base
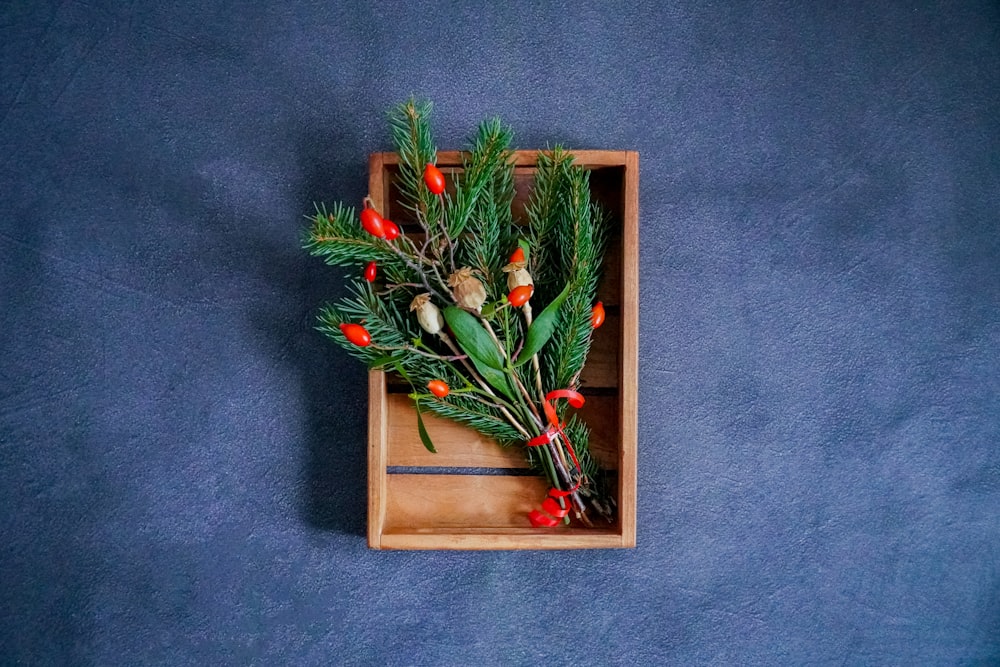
column 451, row 470
column 395, row 386
column 459, row 470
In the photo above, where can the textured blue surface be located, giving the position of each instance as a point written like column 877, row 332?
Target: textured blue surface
column 183, row 456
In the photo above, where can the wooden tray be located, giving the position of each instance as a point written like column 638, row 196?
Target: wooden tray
column 472, row 494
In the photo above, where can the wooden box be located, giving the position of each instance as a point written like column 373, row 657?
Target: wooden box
column 472, row 494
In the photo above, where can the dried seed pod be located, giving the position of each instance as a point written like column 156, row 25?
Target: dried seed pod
column 428, row 315
column 517, row 274
column 469, row 293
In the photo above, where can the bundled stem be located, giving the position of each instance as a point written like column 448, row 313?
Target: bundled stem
column 470, row 231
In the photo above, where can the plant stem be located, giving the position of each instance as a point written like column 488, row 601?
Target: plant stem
column 513, row 373
column 482, row 383
column 411, row 348
column 410, row 263
column 447, row 239
column 534, row 358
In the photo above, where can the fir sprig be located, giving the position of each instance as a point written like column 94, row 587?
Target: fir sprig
column 411, row 133
column 580, row 241
column 473, row 227
column 337, row 237
column 385, row 324
column 542, row 211
column 568, row 239
column 485, row 172
column 484, row 197
column 476, row 415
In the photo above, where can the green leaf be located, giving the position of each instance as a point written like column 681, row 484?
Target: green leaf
column 497, row 379
column 526, row 247
column 424, row 438
column 542, row 328
column 473, row 339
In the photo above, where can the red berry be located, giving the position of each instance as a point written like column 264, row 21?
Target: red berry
column 520, row 295
column 597, row 315
column 370, row 271
column 439, row 388
column 517, row 256
column 434, row 179
column 356, row 334
column 390, row 229
column 372, row 222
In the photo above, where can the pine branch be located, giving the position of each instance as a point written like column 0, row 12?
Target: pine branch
column 580, row 244
column 338, row 238
column 411, row 133
column 543, row 213
column 484, row 171
column 474, row 227
column 385, row 325
column 475, row 415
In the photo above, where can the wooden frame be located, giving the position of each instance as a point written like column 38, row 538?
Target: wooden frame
column 472, row 494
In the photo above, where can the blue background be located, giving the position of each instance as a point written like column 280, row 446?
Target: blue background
column 183, row 456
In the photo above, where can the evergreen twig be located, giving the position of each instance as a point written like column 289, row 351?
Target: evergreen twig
column 474, row 227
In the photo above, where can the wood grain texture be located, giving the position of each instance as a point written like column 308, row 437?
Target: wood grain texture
column 377, row 456
column 527, row 158
column 461, row 501
column 456, row 445
column 503, row 539
column 602, row 368
column 459, row 446
column 477, row 512
column 628, row 392
column 377, row 409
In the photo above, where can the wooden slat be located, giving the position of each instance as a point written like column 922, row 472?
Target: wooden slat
column 377, row 409
column 629, row 354
column 456, row 445
column 459, row 446
column 503, row 538
column 600, row 413
column 461, row 501
column 379, row 181
column 601, row 369
column 377, row 457
column 477, row 512
column 586, row 158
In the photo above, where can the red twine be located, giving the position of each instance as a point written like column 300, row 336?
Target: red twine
column 553, row 503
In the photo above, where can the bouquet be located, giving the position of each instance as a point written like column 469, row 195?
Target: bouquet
column 487, row 318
